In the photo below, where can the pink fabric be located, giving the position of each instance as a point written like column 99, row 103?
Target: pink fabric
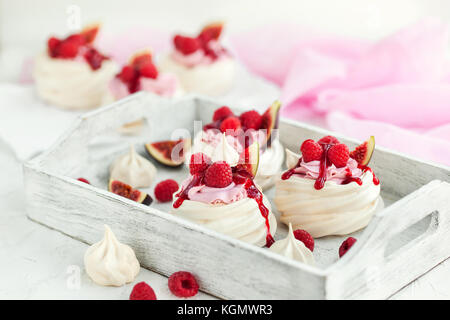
column 397, row 89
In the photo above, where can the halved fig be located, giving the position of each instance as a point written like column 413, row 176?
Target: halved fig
column 127, row 191
column 140, row 58
column 363, row 153
column 212, row 31
column 249, row 160
column 89, row 33
column 171, row 152
column 270, row 120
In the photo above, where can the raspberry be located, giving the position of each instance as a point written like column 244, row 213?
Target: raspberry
column 328, row 140
column 338, row 155
column 165, row 189
column 149, row 70
column 218, row 175
column 94, row 58
column 311, row 150
column 251, row 120
column 68, row 49
column 142, row 291
column 346, row 245
column 305, row 237
column 84, row 180
column 76, row 38
column 230, row 124
column 53, row 44
column 127, row 74
column 222, row 113
column 183, row 284
column 199, row 163
column 186, row 45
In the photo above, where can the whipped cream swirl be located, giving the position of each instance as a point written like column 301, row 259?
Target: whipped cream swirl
column 292, row 248
column 71, row 83
column 111, row 263
column 336, row 209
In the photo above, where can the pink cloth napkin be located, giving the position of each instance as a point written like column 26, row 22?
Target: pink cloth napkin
column 397, row 89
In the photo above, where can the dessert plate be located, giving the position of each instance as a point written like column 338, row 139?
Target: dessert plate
column 404, row 240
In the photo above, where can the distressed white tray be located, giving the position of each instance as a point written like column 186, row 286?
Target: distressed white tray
column 408, row 238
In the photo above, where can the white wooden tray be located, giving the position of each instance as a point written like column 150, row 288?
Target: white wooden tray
column 408, row 238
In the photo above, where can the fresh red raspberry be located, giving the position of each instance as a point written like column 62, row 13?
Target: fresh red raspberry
column 311, row 150
column 338, row 155
column 346, row 245
column 76, row 38
column 199, row 163
column 305, row 237
column 84, row 180
column 186, row 45
column 218, row 175
column 53, row 44
column 183, row 284
column 251, row 120
column 165, row 189
column 142, row 291
column 230, row 124
column 328, row 140
column 222, row 113
column 127, row 74
column 68, row 49
column 149, row 70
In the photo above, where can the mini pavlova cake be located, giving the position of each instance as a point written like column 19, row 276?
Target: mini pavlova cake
column 141, row 74
column 201, row 63
column 229, row 131
column 71, row 73
column 223, row 196
column 328, row 190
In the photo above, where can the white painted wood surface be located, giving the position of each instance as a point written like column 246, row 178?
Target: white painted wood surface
column 226, row 267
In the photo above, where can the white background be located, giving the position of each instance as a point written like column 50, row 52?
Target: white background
column 26, row 24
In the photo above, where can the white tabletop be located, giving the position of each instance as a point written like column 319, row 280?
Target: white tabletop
column 40, row 263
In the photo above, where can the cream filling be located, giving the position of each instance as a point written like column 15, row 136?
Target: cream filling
column 241, row 219
column 213, row 79
column 72, row 84
column 333, row 210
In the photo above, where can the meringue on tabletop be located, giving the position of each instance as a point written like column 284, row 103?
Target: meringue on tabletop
column 71, row 73
column 111, row 263
column 201, row 63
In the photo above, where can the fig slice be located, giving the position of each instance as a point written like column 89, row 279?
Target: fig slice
column 89, row 33
column 249, row 160
column 171, row 152
column 127, row 191
column 140, row 58
column 363, row 153
column 270, row 120
column 212, row 31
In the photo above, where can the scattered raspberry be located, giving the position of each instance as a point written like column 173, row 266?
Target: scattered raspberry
column 149, row 70
column 142, row 291
column 183, row 284
column 311, row 150
column 251, row 120
column 127, row 74
column 346, row 245
column 328, row 140
column 305, row 237
column 186, row 45
column 199, row 163
column 68, row 49
column 84, row 180
column 222, row 113
column 165, row 189
column 218, row 175
column 230, row 124
column 338, row 155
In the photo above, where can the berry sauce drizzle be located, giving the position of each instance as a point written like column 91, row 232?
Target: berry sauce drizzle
column 324, row 164
column 183, row 194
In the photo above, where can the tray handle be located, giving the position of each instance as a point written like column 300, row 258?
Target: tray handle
column 362, row 272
